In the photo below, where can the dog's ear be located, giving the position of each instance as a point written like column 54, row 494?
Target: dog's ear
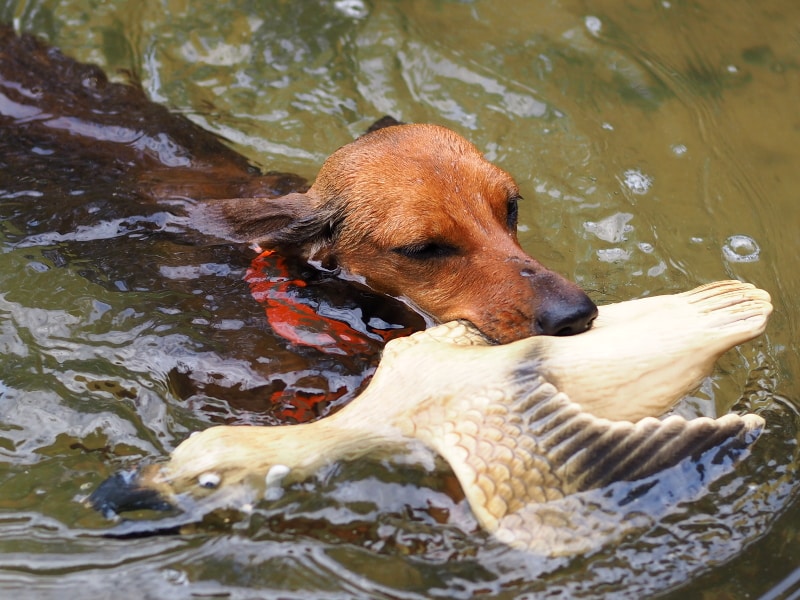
column 382, row 123
column 293, row 219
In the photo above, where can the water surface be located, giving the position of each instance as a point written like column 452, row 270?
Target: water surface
column 656, row 145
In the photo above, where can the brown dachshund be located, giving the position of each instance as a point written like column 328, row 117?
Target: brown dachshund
column 413, row 211
column 417, row 212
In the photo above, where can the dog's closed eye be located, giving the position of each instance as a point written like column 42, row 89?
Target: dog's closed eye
column 426, row 250
column 512, row 213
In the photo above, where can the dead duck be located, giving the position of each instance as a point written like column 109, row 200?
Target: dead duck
column 525, row 426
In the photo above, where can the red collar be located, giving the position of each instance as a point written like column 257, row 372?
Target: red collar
column 300, row 312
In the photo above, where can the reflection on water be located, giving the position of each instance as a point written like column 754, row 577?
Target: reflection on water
column 656, row 147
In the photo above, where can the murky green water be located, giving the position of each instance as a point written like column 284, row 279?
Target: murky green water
column 657, row 145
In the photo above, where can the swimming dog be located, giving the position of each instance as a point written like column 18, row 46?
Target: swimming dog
column 412, row 211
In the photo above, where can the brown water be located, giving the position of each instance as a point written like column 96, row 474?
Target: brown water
column 657, row 146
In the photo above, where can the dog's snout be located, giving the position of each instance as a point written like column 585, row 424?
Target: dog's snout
column 566, row 318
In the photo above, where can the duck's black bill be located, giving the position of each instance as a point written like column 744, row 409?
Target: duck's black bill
column 124, row 492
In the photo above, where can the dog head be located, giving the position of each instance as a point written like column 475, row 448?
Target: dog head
column 416, row 211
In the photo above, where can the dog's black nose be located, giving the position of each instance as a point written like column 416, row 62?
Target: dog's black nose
column 566, row 317
column 560, row 306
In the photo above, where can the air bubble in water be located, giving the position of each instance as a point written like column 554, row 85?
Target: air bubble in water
column 355, row 9
column 636, row 181
column 741, row 248
column 678, row 149
column 593, row 24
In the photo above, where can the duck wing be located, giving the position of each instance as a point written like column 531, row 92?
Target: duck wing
column 524, row 464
